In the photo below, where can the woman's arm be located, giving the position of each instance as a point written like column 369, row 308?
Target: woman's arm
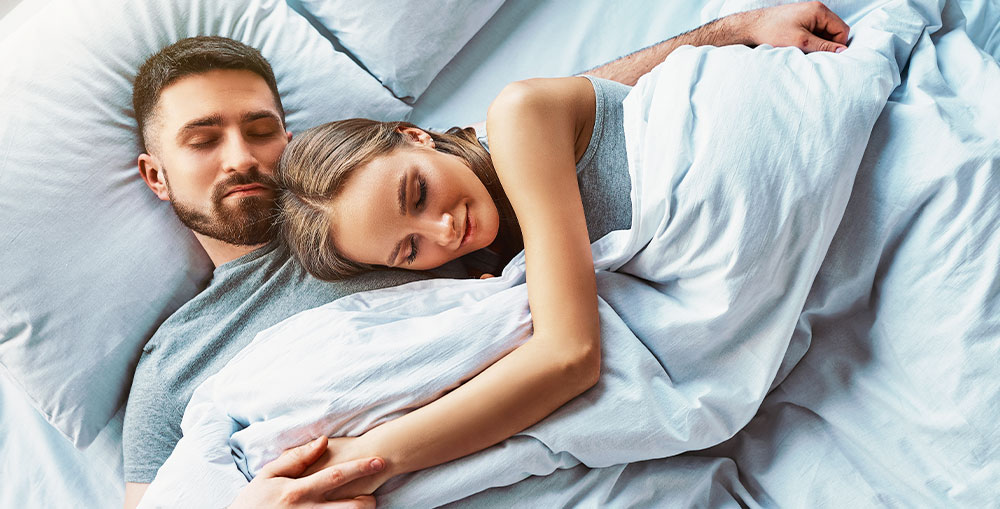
column 535, row 131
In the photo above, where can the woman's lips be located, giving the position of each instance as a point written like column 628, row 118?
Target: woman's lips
column 468, row 227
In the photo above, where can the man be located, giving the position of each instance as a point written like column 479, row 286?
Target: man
column 213, row 128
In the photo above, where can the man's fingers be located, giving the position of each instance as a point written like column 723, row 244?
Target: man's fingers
column 335, row 476
column 294, row 461
column 812, row 43
column 831, row 24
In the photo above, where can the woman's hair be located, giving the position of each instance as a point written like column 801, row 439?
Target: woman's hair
column 317, row 163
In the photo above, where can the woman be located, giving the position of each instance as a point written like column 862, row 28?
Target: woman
column 360, row 194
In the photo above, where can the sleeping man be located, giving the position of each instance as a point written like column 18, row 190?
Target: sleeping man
column 213, row 128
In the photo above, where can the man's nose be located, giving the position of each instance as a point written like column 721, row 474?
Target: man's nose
column 236, row 155
column 440, row 229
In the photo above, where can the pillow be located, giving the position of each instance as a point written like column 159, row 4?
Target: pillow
column 92, row 260
column 402, row 43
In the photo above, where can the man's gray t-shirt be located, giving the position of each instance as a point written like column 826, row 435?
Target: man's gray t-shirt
column 245, row 296
column 256, row 291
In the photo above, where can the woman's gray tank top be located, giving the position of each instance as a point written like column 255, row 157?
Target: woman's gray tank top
column 602, row 172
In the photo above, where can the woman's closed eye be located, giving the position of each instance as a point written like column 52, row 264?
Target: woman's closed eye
column 413, row 250
column 421, row 199
column 422, row 194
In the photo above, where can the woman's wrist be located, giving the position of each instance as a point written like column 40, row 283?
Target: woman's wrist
column 375, row 442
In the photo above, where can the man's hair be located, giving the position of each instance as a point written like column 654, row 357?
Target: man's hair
column 187, row 57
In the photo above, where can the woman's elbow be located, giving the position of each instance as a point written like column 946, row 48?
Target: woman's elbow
column 583, row 366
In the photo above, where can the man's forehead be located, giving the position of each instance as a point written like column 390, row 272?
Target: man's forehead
column 221, row 92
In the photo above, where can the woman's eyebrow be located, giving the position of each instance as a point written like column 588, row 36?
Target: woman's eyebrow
column 402, row 195
column 395, row 251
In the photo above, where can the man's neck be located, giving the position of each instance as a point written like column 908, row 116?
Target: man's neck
column 223, row 252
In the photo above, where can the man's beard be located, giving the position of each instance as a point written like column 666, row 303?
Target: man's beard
column 246, row 221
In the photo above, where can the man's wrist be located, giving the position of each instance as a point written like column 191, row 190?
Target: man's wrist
column 739, row 28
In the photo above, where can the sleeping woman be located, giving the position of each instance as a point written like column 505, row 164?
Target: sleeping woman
column 359, row 195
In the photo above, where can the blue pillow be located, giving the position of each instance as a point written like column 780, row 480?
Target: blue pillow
column 92, row 260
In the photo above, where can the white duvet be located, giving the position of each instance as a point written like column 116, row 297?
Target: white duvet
column 742, row 161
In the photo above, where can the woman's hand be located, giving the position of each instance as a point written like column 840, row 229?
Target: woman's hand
column 345, row 449
column 486, row 276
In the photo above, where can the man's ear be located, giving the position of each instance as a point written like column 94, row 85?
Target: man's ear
column 416, row 136
column 152, row 173
column 289, row 134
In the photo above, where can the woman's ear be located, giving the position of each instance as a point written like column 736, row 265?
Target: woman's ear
column 416, row 136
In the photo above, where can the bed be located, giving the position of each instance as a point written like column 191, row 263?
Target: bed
column 873, row 366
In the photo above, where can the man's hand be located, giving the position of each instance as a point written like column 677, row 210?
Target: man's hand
column 809, row 26
column 347, row 449
column 276, row 484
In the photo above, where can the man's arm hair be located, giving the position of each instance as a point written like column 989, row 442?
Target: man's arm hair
column 809, row 26
column 628, row 69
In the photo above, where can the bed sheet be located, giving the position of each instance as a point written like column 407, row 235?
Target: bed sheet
column 798, row 452
column 39, row 467
column 545, row 38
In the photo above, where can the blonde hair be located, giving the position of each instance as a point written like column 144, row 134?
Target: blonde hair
column 317, row 163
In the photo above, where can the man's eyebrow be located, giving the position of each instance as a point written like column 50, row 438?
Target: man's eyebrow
column 209, row 121
column 216, row 120
column 250, row 116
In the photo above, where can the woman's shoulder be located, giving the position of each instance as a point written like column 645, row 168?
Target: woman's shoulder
column 559, row 102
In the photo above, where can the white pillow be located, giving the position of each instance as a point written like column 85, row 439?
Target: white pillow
column 92, row 260
column 401, row 42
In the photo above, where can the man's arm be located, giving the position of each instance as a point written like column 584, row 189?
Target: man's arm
column 809, row 26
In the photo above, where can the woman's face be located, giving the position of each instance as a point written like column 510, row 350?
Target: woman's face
column 414, row 208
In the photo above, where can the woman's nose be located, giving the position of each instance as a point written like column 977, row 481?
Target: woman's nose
column 441, row 229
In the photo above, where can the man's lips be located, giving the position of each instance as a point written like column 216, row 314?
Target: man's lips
column 247, row 189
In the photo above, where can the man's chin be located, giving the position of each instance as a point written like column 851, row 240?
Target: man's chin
column 242, row 224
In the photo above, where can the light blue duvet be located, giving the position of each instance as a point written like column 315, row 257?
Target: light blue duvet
column 882, row 340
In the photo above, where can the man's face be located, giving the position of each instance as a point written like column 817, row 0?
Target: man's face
column 218, row 137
